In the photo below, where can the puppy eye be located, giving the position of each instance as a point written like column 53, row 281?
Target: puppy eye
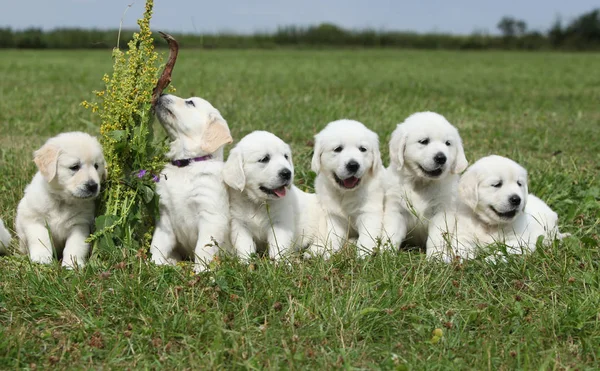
column 362, row 149
column 519, row 183
column 265, row 159
column 424, row 141
column 75, row 167
column 190, row 103
column 448, row 143
column 338, row 149
column 96, row 166
column 286, row 157
column 497, row 185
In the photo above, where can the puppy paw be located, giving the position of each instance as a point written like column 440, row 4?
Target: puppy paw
column 41, row 259
column 71, row 265
column 200, row 267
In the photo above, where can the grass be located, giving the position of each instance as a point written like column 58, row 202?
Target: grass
column 535, row 312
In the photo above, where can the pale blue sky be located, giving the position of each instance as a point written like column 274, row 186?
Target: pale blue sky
column 453, row 16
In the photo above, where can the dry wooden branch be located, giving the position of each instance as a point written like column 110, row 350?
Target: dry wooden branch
column 165, row 77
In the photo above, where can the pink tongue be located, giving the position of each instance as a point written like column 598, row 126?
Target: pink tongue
column 350, row 182
column 280, row 191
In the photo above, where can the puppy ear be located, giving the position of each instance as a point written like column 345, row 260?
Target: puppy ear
column 460, row 162
column 316, row 159
column 233, row 171
column 215, row 135
column 291, row 156
column 377, row 163
column 526, row 193
column 397, row 146
column 46, row 160
column 468, row 189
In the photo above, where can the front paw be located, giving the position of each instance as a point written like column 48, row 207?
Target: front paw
column 41, row 258
column 158, row 259
column 200, row 267
column 71, row 264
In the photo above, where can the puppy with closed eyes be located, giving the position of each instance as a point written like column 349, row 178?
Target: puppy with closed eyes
column 5, row 238
column 493, row 206
column 349, row 185
column 57, row 211
column 194, row 207
column 426, row 156
column 266, row 208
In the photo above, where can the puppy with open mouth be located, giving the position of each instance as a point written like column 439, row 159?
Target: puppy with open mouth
column 267, row 210
column 426, row 156
column 493, row 206
column 348, row 185
column 56, row 213
column 194, row 207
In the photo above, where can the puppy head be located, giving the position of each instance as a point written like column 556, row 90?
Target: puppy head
column 195, row 127
column 428, row 146
column 346, row 152
column 261, row 166
column 495, row 188
column 72, row 164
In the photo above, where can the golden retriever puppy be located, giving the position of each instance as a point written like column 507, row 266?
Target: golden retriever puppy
column 349, row 185
column 267, row 210
column 57, row 211
column 426, row 156
column 194, row 207
column 493, row 206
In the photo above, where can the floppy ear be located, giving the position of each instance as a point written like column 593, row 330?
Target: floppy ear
column 526, row 194
column 316, row 159
column 105, row 173
column 397, row 146
column 460, row 162
column 377, row 164
column 215, row 135
column 468, row 189
column 46, row 160
column 291, row 156
column 233, row 171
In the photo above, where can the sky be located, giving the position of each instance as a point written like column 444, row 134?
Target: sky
column 248, row 16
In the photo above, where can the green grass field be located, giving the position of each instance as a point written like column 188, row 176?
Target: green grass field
column 536, row 312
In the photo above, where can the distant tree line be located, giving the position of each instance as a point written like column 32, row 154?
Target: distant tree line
column 583, row 33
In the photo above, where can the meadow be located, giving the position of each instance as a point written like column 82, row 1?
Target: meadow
column 534, row 312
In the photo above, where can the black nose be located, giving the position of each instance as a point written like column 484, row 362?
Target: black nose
column 514, row 200
column 352, row 166
column 440, row 158
column 91, row 187
column 285, row 174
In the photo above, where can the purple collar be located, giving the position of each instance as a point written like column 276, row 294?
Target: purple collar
column 186, row 161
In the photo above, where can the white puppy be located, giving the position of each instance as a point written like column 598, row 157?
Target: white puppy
column 57, row 210
column 348, row 184
column 194, row 208
column 493, row 206
column 267, row 210
column 5, row 238
column 426, row 156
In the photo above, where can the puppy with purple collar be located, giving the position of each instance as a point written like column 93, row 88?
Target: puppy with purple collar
column 194, row 206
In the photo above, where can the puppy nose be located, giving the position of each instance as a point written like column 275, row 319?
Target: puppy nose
column 352, row 166
column 514, row 200
column 285, row 174
column 440, row 158
column 91, row 187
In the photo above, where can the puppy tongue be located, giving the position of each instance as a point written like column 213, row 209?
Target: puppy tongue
column 280, row 192
column 350, row 182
